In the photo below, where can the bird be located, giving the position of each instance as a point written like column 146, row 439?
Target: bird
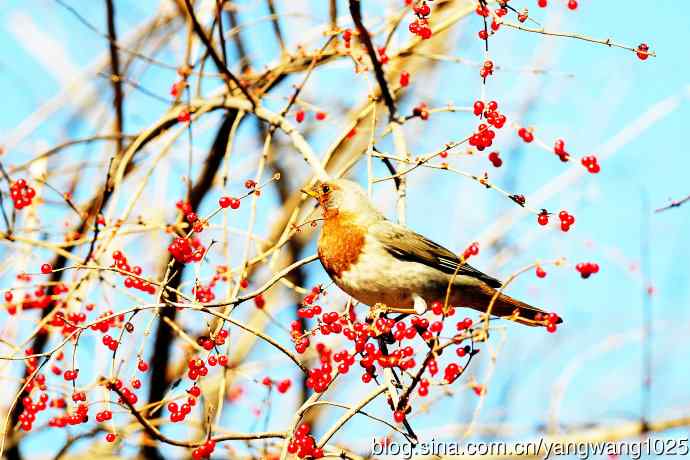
column 379, row 262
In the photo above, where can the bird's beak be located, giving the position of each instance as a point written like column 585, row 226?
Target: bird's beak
column 311, row 193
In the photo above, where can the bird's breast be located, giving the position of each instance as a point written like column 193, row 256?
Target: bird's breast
column 340, row 245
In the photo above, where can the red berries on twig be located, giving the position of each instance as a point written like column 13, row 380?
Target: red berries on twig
column 586, row 269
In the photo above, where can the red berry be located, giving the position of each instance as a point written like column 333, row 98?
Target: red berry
column 398, row 416
column 425, row 33
column 572, row 4
column 541, row 3
column 46, row 268
column 299, row 116
column 259, row 301
column 404, row 78
column 478, row 108
column 540, row 272
column 110, row 437
column 183, row 117
column 642, row 50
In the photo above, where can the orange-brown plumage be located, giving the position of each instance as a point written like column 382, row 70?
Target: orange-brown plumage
column 341, row 242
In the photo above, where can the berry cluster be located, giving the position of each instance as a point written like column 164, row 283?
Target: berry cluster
column 204, row 451
column 227, row 201
column 483, row 138
column 103, row 416
column 189, row 215
column 345, row 360
column 120, row 261
column 303, row 444
column 482, row 10
column 590, row 162
column 30, row 409
column 21, row 193
column 42, row 297
column 80, row 416
column 420, row 26
column 197, row 367
column 566, row 220
column 205, row 294
column 179, row 412
column 493, row 116
column 127, row 394
column 526, row 135
column 495, row 159
column 187, row 250
column 320, row 377
column 74, row 318
column 423, row 389
column 208, row 343
column 452, row 372
column 301, row 341
column 587, row 268
column 107, row 321
column 71, row 375
column 110, row 342
column 559, row 150
column 551, row 321
column 309, row 311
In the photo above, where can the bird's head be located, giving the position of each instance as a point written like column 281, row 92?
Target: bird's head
column 341, row 195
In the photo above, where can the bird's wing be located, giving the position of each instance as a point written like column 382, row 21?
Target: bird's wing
column 404, row 244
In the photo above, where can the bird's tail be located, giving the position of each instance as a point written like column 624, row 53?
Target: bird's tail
column 479, row 298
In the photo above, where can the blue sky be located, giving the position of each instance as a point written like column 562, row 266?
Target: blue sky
column 590, row 95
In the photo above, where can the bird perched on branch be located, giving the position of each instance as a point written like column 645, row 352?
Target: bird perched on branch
column 379, row 262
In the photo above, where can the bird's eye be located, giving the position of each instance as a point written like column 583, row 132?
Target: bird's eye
column 325, row 188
